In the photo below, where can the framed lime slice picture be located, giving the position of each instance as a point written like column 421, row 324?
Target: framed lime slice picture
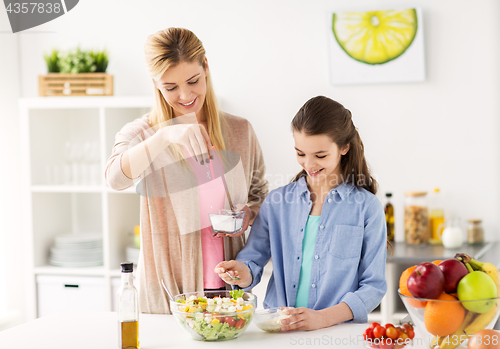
column 376, row 46
column 375, row 37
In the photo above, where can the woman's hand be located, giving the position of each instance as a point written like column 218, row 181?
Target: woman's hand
column 305, row 319
column 193, row 137
column 237, row 269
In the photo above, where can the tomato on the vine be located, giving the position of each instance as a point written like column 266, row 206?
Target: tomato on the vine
column 386, row 343
column 374, row 324
column 392, row 333
column 368, row 334
column 379, row 331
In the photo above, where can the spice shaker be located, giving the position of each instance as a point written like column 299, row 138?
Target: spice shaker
column 416, row 218
column 475, row 233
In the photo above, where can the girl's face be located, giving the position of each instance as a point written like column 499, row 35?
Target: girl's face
column 184, row 88
column 320, row 157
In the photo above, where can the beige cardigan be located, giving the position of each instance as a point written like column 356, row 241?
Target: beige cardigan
column 170, row 230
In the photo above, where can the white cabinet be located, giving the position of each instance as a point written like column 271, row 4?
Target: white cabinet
column 61, row 292
column 65, row 191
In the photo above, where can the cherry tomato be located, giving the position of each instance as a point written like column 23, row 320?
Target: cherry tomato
column 388, row 325
column 368, row 334
column 392, row 333
column 379, row 331
column 230, row 321
column 386, row 343
column 374, row 324
column 240, row 324
column 407, row 327
column 403, row 337
column 410, row 333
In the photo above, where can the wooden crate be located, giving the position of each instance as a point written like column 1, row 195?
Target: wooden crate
column 84, row 84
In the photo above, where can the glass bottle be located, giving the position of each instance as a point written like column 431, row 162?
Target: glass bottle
column 436, row 216
column 128, row 309
column 416, row 218
column 389, row 217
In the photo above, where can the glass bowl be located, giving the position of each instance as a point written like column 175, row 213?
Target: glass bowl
column 448, row 321
column 269, row 320
column 213, row 315
column 226, row 221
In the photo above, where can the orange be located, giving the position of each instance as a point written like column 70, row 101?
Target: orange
column 485, row 339
column 442, row 317
column 437, row 262
column 403, row 288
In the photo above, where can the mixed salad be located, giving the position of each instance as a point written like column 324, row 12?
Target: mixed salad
column 215, row 318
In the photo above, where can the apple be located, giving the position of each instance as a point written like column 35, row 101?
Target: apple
column 453, row 271
column 477, row 285
column 426, row 281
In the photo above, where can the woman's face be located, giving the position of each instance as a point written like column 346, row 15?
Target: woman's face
column 184, row 88
column 320, row 157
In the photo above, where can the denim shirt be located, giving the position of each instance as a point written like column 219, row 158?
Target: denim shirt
column 349, row 254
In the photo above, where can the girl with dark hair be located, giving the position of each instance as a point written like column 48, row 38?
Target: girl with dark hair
column 325, row 231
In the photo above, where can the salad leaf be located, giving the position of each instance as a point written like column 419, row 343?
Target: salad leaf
column 237, row 293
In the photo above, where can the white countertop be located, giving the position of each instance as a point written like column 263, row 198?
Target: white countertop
column 96, row 330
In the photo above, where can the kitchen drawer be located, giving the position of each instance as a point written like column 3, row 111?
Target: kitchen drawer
column 56, row 293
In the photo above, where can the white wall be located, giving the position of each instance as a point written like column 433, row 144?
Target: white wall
column 268, row 57
column 11, row 261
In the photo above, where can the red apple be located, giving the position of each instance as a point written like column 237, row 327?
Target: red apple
column 426, row 281
column 453, row 271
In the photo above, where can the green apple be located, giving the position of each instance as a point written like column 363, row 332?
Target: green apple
column 476, row 286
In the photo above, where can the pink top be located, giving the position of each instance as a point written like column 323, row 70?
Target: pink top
column 212, row 196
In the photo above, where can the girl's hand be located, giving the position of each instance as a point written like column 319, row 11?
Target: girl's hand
column 235, row 268
column 193, row 137
column 304, row 319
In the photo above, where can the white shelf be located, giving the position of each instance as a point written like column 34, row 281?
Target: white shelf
column 53, row 270
column 86, row 102
column 47, row 125
column 66, row 189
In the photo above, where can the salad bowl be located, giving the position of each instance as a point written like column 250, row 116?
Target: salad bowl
column 269, row 320
column 214, row 315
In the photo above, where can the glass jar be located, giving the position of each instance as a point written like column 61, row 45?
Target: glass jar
column 389, row 217
column 475, row 233
column 416, row 218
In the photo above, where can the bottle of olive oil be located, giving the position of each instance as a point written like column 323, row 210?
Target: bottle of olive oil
column 389, row 217
column 128, row 310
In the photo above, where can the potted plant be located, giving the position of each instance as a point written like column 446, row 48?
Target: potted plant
column 76, row 72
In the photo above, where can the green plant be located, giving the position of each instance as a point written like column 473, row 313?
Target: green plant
column 52, row 61
column 77, row 61
column 101, row 60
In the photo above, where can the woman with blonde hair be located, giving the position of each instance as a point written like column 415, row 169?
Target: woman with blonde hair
column 184, row 153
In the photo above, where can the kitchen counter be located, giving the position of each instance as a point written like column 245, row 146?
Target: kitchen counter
column 99, row 330
column 416, row 254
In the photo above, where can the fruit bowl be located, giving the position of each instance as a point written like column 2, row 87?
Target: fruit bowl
column 445, row 323
column 214, row 315
column 269, row 320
